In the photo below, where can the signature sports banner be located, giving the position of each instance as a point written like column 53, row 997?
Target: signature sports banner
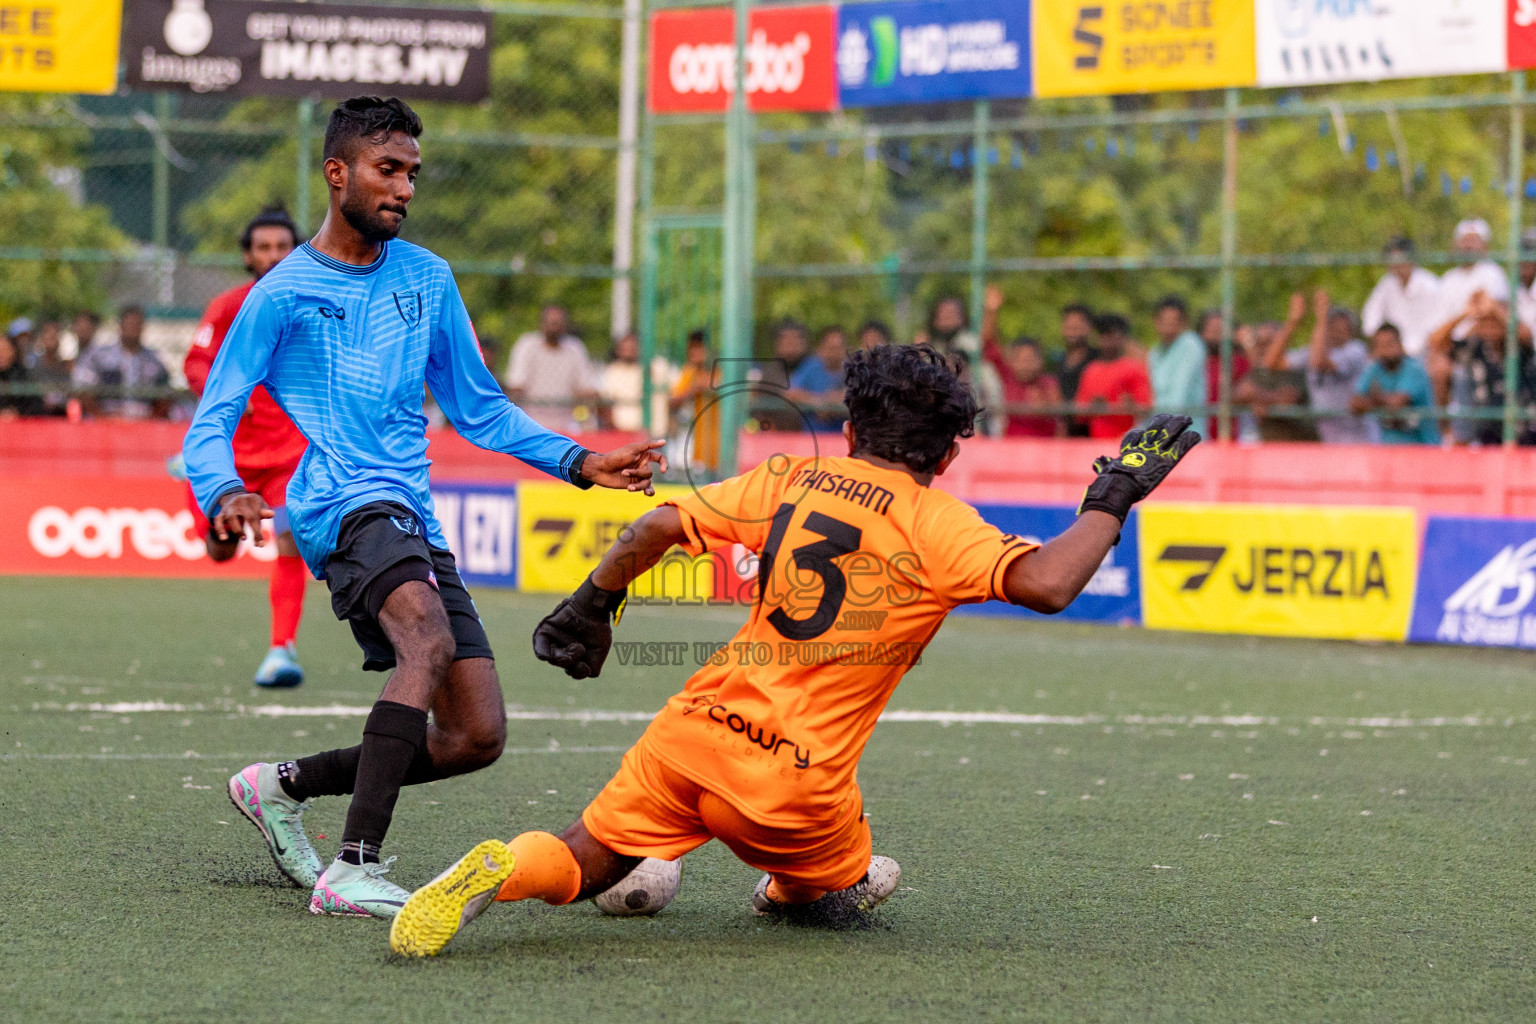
column 59, row 45
column 1477, row 582
column 562, row 534
column 928, row 50
column 789, row 59
column 480, row 522
column 1096, row 47
column 288, row 48
column 1279, row 570
column 88, row 526
column 1305, row 42
column 1112, row 596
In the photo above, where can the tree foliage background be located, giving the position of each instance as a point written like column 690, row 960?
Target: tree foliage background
column 529, row 219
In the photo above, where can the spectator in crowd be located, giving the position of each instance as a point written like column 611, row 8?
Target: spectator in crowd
column 549, row 373
column 48, row 367
column 20, row 333
column 1176, row 363
column 1265, row 387
column 1333, row 360
column 873, row 334
column 1525, row 295
column 949, row 329
column 1396, row 383
column 693, row 401
column 1114, row 388
column 1210, row 329
column 1476, row 273
column 1407, row 296
column 15, row 399
column 125, row 365
column 791, row 342
column 622, row 388
column 1077, row 351
column 1022, row 377
column 818, row 383
column 1478, row 380
column 81, row 336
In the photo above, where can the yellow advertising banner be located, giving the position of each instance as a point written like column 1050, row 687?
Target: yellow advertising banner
column 1279, row 570
column 59, row 45
column 1105, row 47
column 562, row 534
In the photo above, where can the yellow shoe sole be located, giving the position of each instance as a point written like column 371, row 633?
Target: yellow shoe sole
column 435, row 912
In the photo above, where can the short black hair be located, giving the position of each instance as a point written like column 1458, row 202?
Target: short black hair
column 821, row 335
column 790, row 324
column 1077, row 307
column 1175, row 303
column 1027, row 342
column 698, row 335
column 1398, row 244
column 271, row 217
column 878, row 326
column 908, row 403
column 130, row 309
column 367, row 119
column 1111, row 323
column 1389, row 326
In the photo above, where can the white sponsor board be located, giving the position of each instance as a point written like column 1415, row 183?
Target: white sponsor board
column 1306, row 42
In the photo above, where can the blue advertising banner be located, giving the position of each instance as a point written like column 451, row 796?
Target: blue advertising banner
column 480, row 522
column 1477, row 582
column 1114, row 593
column 931, row 50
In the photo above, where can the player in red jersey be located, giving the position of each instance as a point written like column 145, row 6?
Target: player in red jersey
column 267, row 448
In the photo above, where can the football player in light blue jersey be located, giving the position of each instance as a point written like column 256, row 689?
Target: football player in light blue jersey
column 346, row 334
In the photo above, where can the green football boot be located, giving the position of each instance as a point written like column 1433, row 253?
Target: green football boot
column 255, row 791
column 357, row 890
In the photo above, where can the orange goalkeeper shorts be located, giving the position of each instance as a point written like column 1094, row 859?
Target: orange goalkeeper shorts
column 649, row 809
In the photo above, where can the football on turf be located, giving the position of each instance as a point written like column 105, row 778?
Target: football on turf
column 643, row 891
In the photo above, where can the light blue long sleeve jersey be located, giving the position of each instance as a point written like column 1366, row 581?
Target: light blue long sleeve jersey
column 347, row 352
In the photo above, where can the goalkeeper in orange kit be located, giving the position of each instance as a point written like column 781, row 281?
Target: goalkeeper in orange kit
column 860, row 560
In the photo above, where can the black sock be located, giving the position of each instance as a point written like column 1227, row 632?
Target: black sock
column 392, row 736
column 334, row 772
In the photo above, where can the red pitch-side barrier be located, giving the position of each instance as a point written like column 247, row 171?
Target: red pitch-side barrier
column 94, row 498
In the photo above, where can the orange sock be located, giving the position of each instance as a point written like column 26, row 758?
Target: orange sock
column 545, row 868
column 790, row 893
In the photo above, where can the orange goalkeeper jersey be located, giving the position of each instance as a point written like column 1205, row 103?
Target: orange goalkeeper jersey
column 858, row 566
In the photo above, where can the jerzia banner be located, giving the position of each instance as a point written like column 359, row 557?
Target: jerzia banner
column 272, row 47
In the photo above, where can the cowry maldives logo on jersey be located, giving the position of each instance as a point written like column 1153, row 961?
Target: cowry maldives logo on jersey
column 409, row 305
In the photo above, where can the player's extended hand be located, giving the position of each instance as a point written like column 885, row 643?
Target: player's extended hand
column 576, row 636
column 1147, row 455
column 237, row 510
column 628, row 467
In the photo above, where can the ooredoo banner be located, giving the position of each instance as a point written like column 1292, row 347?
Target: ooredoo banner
column 789, row 59
column 79, row 526
column 1304, row 42
column 59, row 45
column 1093, row 48
column 1279, row 570
column 932, row 50
column 1477, row 583
column 1114, row 593
column 287, row 48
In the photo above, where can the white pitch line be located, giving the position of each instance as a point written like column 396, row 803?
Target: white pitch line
column 192, row 755
column 587, row 715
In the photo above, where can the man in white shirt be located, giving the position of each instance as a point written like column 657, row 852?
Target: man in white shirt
column 1525, row 298
column 549, row 373
column 1407, row 296
column 1476, row 273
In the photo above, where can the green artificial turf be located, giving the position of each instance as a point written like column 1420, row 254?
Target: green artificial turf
column 1144, row 853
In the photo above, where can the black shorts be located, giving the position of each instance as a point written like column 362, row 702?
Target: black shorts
column 379, row 547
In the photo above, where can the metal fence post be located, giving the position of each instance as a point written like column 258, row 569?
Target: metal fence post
column 735, row 326
column 1228, row 260
column 624, row 200
column 1516, row 191
column 980, row 119
column 648, row 259
column 160, row 201
column 301, row 168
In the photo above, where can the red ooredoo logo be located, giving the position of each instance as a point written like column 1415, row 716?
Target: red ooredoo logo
column 789, row 59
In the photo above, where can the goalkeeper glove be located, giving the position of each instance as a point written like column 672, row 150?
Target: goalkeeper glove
column 576, row 636
column 1147, row 455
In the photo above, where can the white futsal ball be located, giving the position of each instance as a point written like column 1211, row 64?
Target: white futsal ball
column 644, row 891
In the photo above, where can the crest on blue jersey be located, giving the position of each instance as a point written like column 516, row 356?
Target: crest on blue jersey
column 409, row 305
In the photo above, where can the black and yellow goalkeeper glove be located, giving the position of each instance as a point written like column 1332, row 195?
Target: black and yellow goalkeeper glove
column 1147, row 455
column 576, row 636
